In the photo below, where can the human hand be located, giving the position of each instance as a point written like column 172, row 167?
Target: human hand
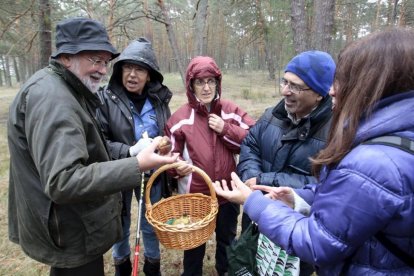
column 216, row 123
column 148, row 159
column 250, row 182
column 183, row 168
column 165, row 146
column 140, row 145
column 238, row 193
column 284, row 194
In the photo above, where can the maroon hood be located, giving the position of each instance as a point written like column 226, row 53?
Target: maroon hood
column 202, row 67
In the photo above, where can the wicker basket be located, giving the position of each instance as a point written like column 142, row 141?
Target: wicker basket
column 201, row 208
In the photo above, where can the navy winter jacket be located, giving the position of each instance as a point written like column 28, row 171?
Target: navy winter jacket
column 276, row 151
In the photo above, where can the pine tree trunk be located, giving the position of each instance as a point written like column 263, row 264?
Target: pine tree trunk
column 298, row 19
column 172, row 39
column 323, row 24
column 45, row 33
column 200, row 34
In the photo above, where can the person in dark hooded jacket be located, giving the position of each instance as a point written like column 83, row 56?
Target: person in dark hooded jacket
column 207, row 132
column 134, row 102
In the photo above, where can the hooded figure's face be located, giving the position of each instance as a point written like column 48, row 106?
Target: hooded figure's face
column 134, row 77
column 203, row 82
column 205, row 89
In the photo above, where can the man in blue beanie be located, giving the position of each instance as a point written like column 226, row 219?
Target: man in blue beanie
column 277, row 149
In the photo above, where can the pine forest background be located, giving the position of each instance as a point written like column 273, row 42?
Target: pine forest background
column 241, row 35
column 251, row 40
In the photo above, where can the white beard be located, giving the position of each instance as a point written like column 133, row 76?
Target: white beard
column 87, row 81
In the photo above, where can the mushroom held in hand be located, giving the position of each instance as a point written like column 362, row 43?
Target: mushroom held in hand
column 164, row 147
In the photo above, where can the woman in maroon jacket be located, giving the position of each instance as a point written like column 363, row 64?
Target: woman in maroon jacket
column 207, row 132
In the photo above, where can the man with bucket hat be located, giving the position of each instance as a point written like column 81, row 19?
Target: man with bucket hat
column 64, row 192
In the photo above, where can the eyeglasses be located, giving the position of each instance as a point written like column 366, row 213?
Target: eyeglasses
column 294, row 88
column 200, row 83
column 128, row 68
column 96, row 62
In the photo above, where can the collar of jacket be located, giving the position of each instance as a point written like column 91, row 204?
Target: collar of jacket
column 322, row 112
column 388, row 117
column 201, row 108
column 308, row 125
column 79, row 89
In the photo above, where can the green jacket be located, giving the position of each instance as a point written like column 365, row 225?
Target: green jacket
column 64, row 200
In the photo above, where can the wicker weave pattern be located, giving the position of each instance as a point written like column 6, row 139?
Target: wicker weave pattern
column 201, row 208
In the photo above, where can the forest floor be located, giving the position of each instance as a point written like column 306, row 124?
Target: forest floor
column 252, row 91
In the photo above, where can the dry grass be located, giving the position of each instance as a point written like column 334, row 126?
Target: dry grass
column 251, row 91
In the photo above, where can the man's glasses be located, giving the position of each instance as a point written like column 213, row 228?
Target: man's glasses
column 294, row 88
column 200, row 83
column 96, row 62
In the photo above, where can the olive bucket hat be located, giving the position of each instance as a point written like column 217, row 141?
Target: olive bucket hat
column 78, row 34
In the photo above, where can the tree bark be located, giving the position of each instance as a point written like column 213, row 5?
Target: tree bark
column 172, row 39
column 394, row 12
column 349, row 32
column 1, row 77
column 45, row 33
column 406, row 13
column 377, row 15
column 323, row 24
column 389, row 12
column 22, row 69
column 149, row 34
column 200, row 34
column 264, row 30
column 112, row 4
column 16, row 69
column 7, row 75
column 298, row 21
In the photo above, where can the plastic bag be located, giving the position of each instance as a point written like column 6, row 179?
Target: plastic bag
column 241, row 254
column 273, row 260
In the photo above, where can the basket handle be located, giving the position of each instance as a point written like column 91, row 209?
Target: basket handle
column 172, row 166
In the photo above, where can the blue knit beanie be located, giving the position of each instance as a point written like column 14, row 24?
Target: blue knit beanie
column 315, row 68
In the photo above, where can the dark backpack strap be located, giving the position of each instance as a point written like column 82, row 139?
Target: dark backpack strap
column 407, row 145
column 402, row 143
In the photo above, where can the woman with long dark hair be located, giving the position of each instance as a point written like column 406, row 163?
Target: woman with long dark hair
column 360, row 216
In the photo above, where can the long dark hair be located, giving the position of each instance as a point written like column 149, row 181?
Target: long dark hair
column 372, row 68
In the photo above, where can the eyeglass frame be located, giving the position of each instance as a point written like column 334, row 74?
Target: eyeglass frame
column 200, row 83
column 296, row 88
column 100, row 63
column 128, row 68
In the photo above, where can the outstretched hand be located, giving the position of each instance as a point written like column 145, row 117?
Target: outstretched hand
column 148, row 159
column 238, row 193
column 284, row 194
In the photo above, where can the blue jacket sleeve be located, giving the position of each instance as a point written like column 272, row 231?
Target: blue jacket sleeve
column 349, row 210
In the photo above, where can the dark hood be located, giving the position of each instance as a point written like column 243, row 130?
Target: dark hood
column 138, row 52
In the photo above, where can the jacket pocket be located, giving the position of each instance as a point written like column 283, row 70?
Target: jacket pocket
column 103, row 226
column 54, row 227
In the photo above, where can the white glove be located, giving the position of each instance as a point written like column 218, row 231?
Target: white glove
column 140, row 145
